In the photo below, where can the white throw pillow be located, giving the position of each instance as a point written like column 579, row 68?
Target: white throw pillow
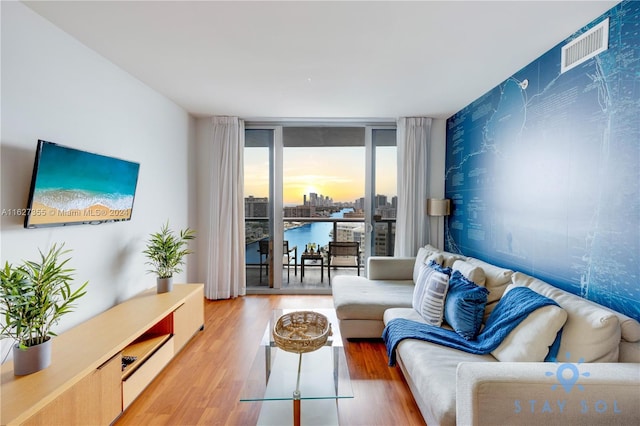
column 591, row 334
column 531, row 339
column 448, row 258
column 430, row 293
column 497, row 279
column 471, row 272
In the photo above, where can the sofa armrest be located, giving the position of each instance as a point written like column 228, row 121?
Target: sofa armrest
column 522, row 393
column 390, row 268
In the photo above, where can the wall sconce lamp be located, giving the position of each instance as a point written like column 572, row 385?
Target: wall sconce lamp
column 438, row 207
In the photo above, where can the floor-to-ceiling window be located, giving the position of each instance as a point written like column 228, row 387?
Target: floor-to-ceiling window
column 306, row 185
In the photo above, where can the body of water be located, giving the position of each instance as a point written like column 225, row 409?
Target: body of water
column 315, row 232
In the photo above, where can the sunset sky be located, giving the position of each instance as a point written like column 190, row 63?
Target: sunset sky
column 337, row 172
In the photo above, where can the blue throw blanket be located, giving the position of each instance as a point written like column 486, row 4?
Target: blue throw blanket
column 508, row 313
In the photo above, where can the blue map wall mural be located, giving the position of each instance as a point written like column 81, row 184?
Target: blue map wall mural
column 544, row 170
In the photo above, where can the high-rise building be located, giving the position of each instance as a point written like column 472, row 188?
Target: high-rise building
column 256, row 207
column 300, row 211
column 383, row 236
column 381, row 201
column 347, row 231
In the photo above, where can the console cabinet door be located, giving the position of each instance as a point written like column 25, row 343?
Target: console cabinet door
column 95, row 400
column 188, row 319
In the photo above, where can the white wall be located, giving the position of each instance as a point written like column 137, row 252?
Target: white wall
column 55, row 88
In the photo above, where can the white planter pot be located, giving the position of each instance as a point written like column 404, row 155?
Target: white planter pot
column 164, row 285
column 32, row 359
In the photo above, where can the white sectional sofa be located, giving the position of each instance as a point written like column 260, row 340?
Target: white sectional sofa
column 595, row 380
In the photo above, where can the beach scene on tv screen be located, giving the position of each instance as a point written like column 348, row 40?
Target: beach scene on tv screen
column 74, row 186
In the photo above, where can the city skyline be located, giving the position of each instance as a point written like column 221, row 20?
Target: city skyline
column 322, row 200
column 336, row 172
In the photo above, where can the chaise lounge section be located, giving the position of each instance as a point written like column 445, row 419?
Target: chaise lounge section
column 361, row 302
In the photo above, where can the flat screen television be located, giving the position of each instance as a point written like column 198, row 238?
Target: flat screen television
column 70, row 187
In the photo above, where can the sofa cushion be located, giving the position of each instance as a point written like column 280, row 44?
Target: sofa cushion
column 425, row 254
column 496, row 281
column 591, row 333
column 629, row 327
column 471, row 272
column 464, row 306
column 629, row 352
column 431, row 249
column 435, row 257
column 359, row 298
column 443, row 258
column 430, row 371
column 430, row 292
column 450, row 258
column 531, row 339
column 390, row 268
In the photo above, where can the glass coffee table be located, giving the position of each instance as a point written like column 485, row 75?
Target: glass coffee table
column 324, row 379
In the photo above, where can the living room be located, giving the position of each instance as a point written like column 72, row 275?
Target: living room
column 66, row 90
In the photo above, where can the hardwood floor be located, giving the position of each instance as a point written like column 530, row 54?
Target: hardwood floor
column 202, row 385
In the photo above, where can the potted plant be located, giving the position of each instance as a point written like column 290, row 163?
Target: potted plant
column 166, row 252
column 33, row 298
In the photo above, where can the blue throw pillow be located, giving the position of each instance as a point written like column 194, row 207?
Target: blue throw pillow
column 464, row 306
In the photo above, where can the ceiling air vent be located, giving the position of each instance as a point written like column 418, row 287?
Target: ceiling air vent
column 586, row 46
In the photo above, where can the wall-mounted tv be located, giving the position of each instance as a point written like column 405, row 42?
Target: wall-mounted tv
column 70, row 186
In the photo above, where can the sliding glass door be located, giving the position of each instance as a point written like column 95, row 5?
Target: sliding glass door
column 258, row 205
column 383, row 192
column 323, row 187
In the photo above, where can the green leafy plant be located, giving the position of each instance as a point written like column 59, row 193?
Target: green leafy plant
column 166, row 251
column 35, row 295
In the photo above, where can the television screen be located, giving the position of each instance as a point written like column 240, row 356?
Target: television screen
column 71, row 186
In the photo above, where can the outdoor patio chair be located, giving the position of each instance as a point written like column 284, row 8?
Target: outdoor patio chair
column 344, row 254
column 288, row 255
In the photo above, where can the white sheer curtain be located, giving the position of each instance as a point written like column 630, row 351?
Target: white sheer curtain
column 225, row 245
column 412, row 225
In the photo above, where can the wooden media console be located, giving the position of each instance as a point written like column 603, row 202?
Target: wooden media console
column 86, row 383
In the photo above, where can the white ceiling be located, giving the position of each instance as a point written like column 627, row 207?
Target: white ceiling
column 361, row 59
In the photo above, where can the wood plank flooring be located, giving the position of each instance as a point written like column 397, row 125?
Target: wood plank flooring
column 202, row 385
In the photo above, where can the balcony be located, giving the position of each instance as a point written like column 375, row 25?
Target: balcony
column 301, row 232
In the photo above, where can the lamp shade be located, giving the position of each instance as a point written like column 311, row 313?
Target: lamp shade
column 437, row 207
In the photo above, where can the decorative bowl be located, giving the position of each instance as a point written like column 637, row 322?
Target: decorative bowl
column 301, row 331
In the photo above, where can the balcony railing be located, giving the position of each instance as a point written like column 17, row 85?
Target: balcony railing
column 300, row 232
